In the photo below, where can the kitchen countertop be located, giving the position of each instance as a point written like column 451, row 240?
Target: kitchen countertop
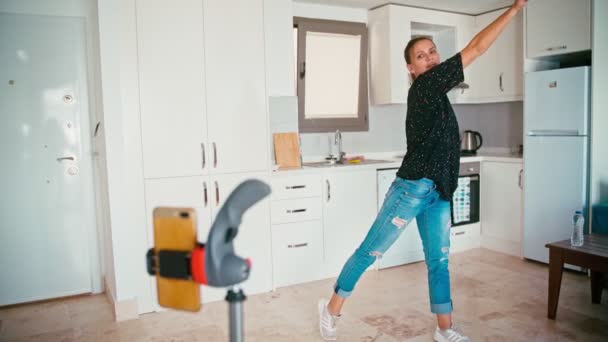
column 393, row 160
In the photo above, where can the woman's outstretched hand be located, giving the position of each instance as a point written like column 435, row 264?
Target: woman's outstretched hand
column 519, row 4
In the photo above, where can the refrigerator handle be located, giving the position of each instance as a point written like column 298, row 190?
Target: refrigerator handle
column 519, row 182
column 553, row 132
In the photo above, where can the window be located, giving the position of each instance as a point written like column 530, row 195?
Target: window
column 331, row 75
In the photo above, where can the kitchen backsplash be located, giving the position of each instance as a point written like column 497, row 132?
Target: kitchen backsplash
column 500, row 124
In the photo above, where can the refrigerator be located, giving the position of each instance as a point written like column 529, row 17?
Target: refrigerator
column 556, row 150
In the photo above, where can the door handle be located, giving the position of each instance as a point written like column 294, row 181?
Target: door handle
column 520, row 181
column 295, row 211
column 203, row 154
column 214, row 155
column 293, row 187
column 555, row 48
column 500, row 82
column 72, row 158
column 328, row 190
column 217, row 194
column 205, row 193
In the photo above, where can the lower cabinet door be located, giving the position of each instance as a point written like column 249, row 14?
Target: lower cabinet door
column 297, row 252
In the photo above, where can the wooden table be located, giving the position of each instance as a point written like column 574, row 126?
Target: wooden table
column 592, row 255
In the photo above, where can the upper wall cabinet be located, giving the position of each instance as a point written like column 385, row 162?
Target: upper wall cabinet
column 202, row 87
column 390, row 29
column 497, row 75
column 555, row 27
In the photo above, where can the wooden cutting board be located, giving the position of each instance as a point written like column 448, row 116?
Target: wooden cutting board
column 287, row 150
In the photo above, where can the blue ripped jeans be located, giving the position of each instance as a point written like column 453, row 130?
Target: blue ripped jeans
column 404, row 201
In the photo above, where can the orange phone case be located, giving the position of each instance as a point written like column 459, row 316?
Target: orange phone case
column 175, row 229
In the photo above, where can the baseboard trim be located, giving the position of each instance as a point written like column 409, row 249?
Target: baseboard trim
column 124, row 310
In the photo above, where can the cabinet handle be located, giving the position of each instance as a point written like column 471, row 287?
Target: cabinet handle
column 520, row 180
column 459, row 233
column 303, row 70
column 217, row 194
column 294, row 187
column 295, row 211
column 205, row 194
column 555, row 48
column 214, row 155
column 500, row 82
column 328, row 190
column 298, row 245
column 203, row 154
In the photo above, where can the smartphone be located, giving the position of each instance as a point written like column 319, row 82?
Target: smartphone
column 175, row 230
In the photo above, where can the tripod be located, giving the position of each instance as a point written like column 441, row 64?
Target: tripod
column 215, row 263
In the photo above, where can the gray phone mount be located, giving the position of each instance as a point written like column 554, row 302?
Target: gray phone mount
column 223, row 267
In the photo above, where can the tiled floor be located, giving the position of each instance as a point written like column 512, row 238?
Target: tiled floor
column 496, row 298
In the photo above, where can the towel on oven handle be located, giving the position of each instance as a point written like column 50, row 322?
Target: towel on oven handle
column 461, row 201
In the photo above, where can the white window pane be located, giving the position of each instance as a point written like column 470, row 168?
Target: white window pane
column 332, row 75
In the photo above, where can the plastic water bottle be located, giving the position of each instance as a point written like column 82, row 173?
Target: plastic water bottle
column 578, row 221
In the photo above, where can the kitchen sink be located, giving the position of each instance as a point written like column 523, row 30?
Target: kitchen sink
column 327, row 163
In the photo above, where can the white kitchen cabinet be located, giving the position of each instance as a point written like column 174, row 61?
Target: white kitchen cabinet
column 497, row 75
column 390, row 29
column 297, row 252
column 501, row 206
column 555, row 27
column 202, row 87
column 206, row 195
column 297, row 229
column 236, row 86
column 349, row 209
column 172, row 87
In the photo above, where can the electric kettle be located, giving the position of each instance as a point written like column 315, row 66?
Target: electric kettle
column 469, row 143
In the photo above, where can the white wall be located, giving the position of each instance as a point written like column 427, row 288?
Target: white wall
column 86, row 9
column 278, row 35
column 118, row 55
column 599, row 104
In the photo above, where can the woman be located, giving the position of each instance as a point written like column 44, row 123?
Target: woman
column 425, row 181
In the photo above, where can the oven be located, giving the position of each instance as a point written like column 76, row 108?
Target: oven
column 465, row 202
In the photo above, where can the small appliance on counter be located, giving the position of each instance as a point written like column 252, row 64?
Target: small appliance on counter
column 470, row 143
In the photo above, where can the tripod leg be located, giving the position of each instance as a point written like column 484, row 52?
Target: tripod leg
column 235, row 299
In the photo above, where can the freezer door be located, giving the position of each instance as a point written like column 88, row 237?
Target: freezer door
column 557, row 101
column 555, row 185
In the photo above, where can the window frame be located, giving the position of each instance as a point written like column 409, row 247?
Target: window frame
column 361, row 122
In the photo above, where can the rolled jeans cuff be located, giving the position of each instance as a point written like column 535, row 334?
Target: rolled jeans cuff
column 440, row 309
column 340, row 292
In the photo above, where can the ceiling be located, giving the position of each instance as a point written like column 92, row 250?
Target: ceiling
column 472, row 7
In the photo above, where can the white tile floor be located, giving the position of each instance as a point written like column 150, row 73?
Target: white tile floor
column 496, row 298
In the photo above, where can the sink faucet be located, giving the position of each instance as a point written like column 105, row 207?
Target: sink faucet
column 338, row 141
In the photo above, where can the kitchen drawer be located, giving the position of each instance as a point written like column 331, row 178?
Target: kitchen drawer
column 297, row 252
column 296, row 187
column 465, row 237
column 296, row 210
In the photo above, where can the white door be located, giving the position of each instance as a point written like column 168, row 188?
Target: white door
column 501, row 207
column 47, row 234
column 557, row 102
column 236, row 86
column 555, row 186
column 172, row 88
column 557, row 26
column 253, row 240
column 188, row 192
column 349, row 210
column 206, row 196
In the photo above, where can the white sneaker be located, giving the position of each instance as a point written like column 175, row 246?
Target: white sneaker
column 449, row 335
column 327, row 322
